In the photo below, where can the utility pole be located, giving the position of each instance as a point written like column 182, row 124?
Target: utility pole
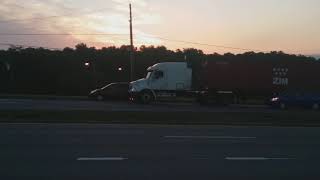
column 132, row 75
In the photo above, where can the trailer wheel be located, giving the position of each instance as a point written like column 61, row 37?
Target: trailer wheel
column 202, row 101
column 315, row 106
column 146, row 97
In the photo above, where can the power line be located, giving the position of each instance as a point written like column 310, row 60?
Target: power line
column 205, row 44
column 61, row 34
column 29, row 19
column 51, row 17
column 111, row 34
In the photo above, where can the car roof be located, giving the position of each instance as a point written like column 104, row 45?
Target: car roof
column 123, row 83
column 117, row 83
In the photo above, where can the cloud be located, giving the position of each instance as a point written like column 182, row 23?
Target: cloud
column 75, row 17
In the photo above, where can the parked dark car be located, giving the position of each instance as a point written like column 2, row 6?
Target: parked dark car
column 113, row 91
column 306, row 100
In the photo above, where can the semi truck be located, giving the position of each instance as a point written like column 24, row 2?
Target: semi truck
column 226, row 81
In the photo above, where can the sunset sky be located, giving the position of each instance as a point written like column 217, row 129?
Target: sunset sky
column 263, row 25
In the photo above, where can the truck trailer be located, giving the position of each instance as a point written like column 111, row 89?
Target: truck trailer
column 226, row 81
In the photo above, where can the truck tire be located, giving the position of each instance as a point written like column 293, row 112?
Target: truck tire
column 146, row 97
column 203, row 100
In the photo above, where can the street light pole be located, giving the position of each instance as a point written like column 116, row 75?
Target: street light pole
column 132, row 75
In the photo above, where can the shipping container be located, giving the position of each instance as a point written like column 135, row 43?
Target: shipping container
column 261, row 77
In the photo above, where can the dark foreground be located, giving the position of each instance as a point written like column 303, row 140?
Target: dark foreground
column 31, row 104
column 84, row 111
column 65, row 151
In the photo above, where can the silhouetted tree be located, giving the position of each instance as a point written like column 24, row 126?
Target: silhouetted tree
column 62, row 72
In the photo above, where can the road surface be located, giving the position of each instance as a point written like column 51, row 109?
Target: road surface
column 81, row 151
column 41, row 104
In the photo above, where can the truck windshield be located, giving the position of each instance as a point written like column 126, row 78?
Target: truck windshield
column 149, row 74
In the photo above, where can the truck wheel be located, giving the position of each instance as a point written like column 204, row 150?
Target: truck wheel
column 203, row 99
column 100, row 98
column 146, row 97
column 315, row 106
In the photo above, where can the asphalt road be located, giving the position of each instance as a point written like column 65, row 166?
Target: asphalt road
column 43, row 151
column 67, row 105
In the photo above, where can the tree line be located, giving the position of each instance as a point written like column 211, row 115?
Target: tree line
column 76, row 71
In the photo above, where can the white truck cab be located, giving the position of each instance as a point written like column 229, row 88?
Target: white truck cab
column 162, row 79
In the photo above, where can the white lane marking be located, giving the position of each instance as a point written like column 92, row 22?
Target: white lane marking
column 209, row 137
column 101, row 159
column 254, row 158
